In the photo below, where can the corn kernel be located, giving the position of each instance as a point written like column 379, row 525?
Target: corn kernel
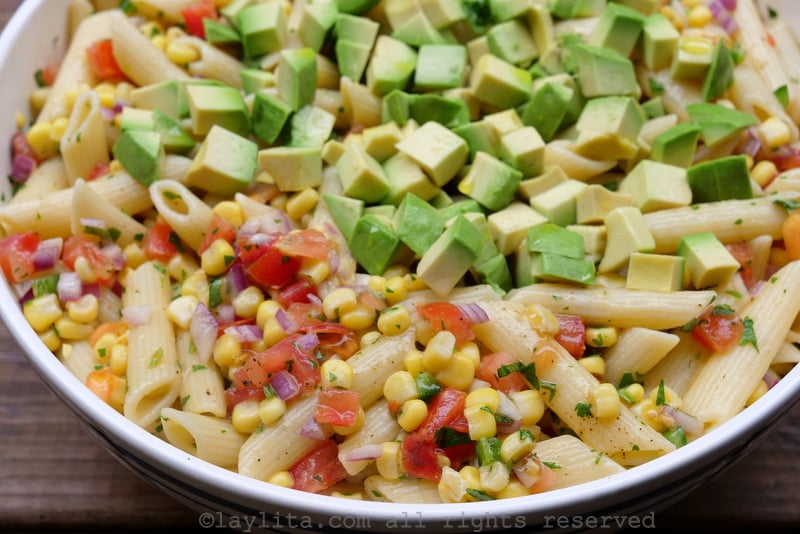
column 604, row 400
column 650, row 414
column 51, row 340
column 227, row 351
column 39, row 139
column 181, row 266
column 764, row 172
column 42, row 312
column 388, row 463
column 699, row 16
column 134, row 255
column 266, row 311
column 279, row 202
column 634, row 392
column 37, row 100
column 494, row 477
column 230, row 211
column 314, row 270
column 412, row 361
column 414, row 282
column 481, row 420
column 336, row 374
column 689, row 4
column 84, row 310
column 395, row 290
column 20, row 120
column 471, row 476
column 72, row 330
column 695, row 45
column 411, row 414
column 483, row 397
column 181, row 310
column 400, row 387
column 774, row 133
column 394, row 320
column 271, row 409
column 118, row 361
column 600, row 337
column 530, row 405
column 514, row 488
column 159, row 41
column 459, row 372
column 302, row 203
column 358, row 318
column 273, row 332
column 377, row 284
column 438, row 351
column 452, row 487
column 196, row 284
column 216, row 259
column 670, row 396
column 542, row 320
column 245, row 417
column 673, row 17
column 181, row 53
column 247, row 301
column 369, row 338
column 84, row 270
column 340, row 300
column 760, row 390
column 516, row 445
column 594, row 364
column 59, row 127
column 361, row 417
column 106, row 94
column 282, row 478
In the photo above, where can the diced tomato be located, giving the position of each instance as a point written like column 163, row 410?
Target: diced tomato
column 103, row 64
column 337, row 407
column 297, row 292
column 741, row 251
column 160, row 242
column 219, row 228
column 16, row 255
column 107, row 386
column 77, row 246
column 419, row 454
column 249, row 248
column 305, row 243
column 447, row 316
column 99, row 170
column 234, row 395
column 318, row 470
column 284, row 355
column 194, row 14
column 459, row 424
column 790, row 231
column 571, row 334
column 488, row 371
column 273, row 268
column 49, row 74
column 459, row 454
column 718, row 331
column 443, row 409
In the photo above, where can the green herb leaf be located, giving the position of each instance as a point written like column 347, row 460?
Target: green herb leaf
column 749, row 335
column 583, row 409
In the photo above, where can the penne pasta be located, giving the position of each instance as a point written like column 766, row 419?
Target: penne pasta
column 208, row 438
column 637, row 351
column 79, row 358
column 573, row 462
column 202, row 385
column 89, row 204
column 187, row 214
column 48, row 177
column 380, row 426
column 83, row 146
column 401, row 490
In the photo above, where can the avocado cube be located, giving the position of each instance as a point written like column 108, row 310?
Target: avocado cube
column 720, row 179
column 254, row 80
column 708, row 261
column 676, row 146
column 141, row 153
column 391, row 66
column 656, row 186
column 551, row 177
column 480, row 137
column 450, row 256
column 659, row 42
column 418, row 31
column 173, row 136
column 345, row 212
column 269, row 116
column 225, row 163
column 559, row 203
column 594, row 202
column 645, row 7
column 551, row 267
column 263, row 27
column 352, row 58
column 479, row 220
column 440, row 152
column 379, row 141
column 548, row 109
column 654, row 107
column 460, row 206
column 718, row 123
column 355, row 37
column 626, row 233
column 490, row 181
column 618, row 28
column 169, row 96
column 384, row 211
column 608, row 128
column 594, row 239
column 296, row 77
column 417, row 223
column 541, row 24
column 311, row 127
column 443, row 13
column 504, row 121
column 567, row 9
column 495, row 272
column 719, row 77
column 511, row 41
column 553, row 239
column 293, row 168
column 131, row 118
column 219, row 34
column 361, row 175
column 604, row 72
column 509, row 226
column 220, row 105
column 405, row 176
column 499, row 83
column 655, row 272
column 232, row 9
column 692, row 57
column 523, row 149
column 449, row 112
column 395, row 107
column 316, row 23
column 355, row 6
column 374, row 244
column 440, row 67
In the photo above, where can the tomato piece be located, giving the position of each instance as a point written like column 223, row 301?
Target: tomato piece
column 273, row 269
column 447, row 316
column 297, row 292
column 106, row 385
column 741, row 251
column 459, row 454
column 318, row 470
column 77, row 246
column 488, row 371
column 790, row 231
column 99, row 170
column 50, row 73
column 160, row 242
column 16, row 255
column 234, row 395
column 337, row 407
column 718, row 331
column 419, row 456
column 284, row 355
column 249, row 248
column 103, row 64
column 443, row 409
column 571, row 334
column 194, row 14
column 305, row 243
column 459, row 424
column 218, row 228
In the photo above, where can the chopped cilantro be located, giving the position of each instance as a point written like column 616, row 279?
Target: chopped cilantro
column 155, row 359
column 749, row 335
column 479, row 495
column 676, row 436
column 661, row 394
column 583, row 409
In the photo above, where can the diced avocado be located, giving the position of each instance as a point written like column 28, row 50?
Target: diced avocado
column 439, row 152
column 356, row 7
column 293, row 168
column 417, row 223
column 656, row 186
column 604, row 72
column 269, row 116
column 720, row 73
column 311, row 127
column 355, row 37
column 459, row 206
column 522, row 266
column 502, row 10
column 443, row 13
column 232, row 9
column 131, row 118
column 676, row 146
column 464, row 96
column 384, row 211
column 618, row 28
column 440, row 67
column 608, row 128
column 169, row 96
column 418, row 31
column 504, row 121
column 441, row 200
column 523, row 149
column 511, row 41
column 499, row 83
column 708, row 261
column 659, row 42
column 219, row 105
column 374, row 244
column 551, row 177
column 254, row 80
column 391, row 65
column 655, row 272
column 556, row 268
column 481, row 223
column 626, row 233
column 220, row 34
column 477, row 47
column 558, row 203
column 495, row 272
column 395, row 107
column 316, row 23
column 594, row 202
column 141, row 154
column 553, row 239
column 352, row 58
column 345, row 212
column 398, row 12
column 510, row 226
column 380, row 141
column 645, row 7
column 263, row 27
column 480, row 137
column 225, row 163
column 296, row 77
column 594, row 239
column 541, row 24
column 490, row 181
column 405, row 176
column 332, row 150
column 720, row 179
column 548, row 109
column 174, row 138
column 361, row 176
column 449, row 112
column 718, row 123
column 692, row 57
column 567, row 9
column 450, row 256
column 654, row 107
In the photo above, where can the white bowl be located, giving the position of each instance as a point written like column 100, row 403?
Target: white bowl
column 226, row 498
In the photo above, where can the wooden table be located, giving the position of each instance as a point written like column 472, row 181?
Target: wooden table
column 53, row 476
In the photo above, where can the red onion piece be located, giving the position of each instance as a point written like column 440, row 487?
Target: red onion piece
column 226, row 313
column 313, row 430
column 333, row 261
column 92, row 289
column 90, row 222
column 236, row 279
column 285, row 322
column 730, row 5
column 21, row 168
column 47, row 253
column 115, row 253
column 771, row 378
column 371, row 451
column 689, row 423
column 26, row 296
column 245, row 333
column 137, row 315
column 285, row 385
column 307, row 342
column 474, row 313
column 527, row 470
column 203, row 329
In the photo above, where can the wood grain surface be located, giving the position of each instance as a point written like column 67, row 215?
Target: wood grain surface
column 54, row 477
